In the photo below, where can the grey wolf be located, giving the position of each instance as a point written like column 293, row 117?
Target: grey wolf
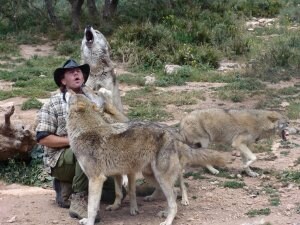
column 103, row 149
column 95, row 51
column 204, row 157
column 238, row 128
column 196, row 157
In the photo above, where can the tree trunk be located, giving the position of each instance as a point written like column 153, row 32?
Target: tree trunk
column 14, row 140
column 110, row 8
column 50, row 10
column 92, row 9
column 75, row 13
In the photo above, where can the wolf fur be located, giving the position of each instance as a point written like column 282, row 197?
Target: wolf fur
column 95, row 51
column 238, row 128
column 103, row 149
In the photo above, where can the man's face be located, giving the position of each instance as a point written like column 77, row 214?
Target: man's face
column 73, row 79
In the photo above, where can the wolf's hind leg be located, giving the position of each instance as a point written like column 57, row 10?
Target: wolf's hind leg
column 132, row 194
column 119, row 195
column 184, row 199
column 95, row 191
column 212, row 169
column 166, row 181
column 149, row 177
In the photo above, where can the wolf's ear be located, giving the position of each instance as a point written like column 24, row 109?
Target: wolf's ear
column 273, row 117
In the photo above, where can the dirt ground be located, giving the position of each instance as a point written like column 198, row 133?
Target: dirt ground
column 210, row 202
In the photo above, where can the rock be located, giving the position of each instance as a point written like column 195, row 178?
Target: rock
column 169, row 69
column 284, row 104
column 150, row 80
column 12, row 220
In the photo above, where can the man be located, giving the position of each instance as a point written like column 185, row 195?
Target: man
column 59, row 159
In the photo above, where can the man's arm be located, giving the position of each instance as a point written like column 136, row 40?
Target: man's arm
column 54, row 141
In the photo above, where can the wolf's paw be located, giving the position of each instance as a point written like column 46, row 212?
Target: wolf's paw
column 149, row 198
column 112, row 207
column 83, row 221
column 164, row 223
column 185, row 201
column 134, row 211
column 251, row 173
column 162, row 214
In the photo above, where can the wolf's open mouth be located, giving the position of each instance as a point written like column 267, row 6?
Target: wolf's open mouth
column 89, row 38
column 284, row 134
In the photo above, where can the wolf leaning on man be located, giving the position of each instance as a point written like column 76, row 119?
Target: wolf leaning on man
column 103, row 149
column 239, row 128
column 95, row 51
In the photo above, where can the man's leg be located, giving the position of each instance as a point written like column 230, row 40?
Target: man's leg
column 63, row 174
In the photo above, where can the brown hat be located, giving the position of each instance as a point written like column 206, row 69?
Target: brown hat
column 69, row 64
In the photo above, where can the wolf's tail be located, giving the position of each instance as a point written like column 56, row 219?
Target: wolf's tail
column 200, row 156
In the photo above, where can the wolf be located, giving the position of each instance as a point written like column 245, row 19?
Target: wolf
column 103, row 149
column 239, row 128
column 206, row 156
column 196, row 157
column 95, row 51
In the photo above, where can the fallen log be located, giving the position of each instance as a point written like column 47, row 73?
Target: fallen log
column 15, row 139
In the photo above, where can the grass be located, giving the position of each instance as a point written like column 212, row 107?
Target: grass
column 31, row 103
column 150, row 103
column 15, row 171
column 293, row 110
column 233, row 184
column 289, row 176
column 195, row 175
column 258, row 212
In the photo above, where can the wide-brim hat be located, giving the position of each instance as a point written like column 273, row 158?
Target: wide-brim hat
column 70, row 64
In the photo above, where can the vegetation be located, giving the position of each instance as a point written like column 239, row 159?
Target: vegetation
column 233, row 184
column 258, row 212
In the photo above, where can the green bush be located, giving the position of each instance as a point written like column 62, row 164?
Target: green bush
column 280, row 61
column 31, row 103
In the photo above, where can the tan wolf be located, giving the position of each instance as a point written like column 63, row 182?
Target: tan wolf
column 95, row 51
column 206, row 156
column 103, row 149
column 238, row 128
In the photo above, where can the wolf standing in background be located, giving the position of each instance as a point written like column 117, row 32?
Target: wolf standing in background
column 105, row 149
column 238, row 128
column 95, row 51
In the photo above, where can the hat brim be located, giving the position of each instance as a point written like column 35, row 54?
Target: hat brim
column 59, row 73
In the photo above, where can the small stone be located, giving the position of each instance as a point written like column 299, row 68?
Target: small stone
column 12, row 220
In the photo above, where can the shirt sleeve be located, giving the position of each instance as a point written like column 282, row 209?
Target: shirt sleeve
column 47, row 119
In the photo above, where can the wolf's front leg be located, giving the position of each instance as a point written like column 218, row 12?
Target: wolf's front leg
column 95, row 191
column 119, row 194
column 248, row 158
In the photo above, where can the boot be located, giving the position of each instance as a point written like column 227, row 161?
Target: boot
column 63, row 191
column 79, row 206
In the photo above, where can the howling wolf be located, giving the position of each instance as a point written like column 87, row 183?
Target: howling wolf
column 95, row 51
